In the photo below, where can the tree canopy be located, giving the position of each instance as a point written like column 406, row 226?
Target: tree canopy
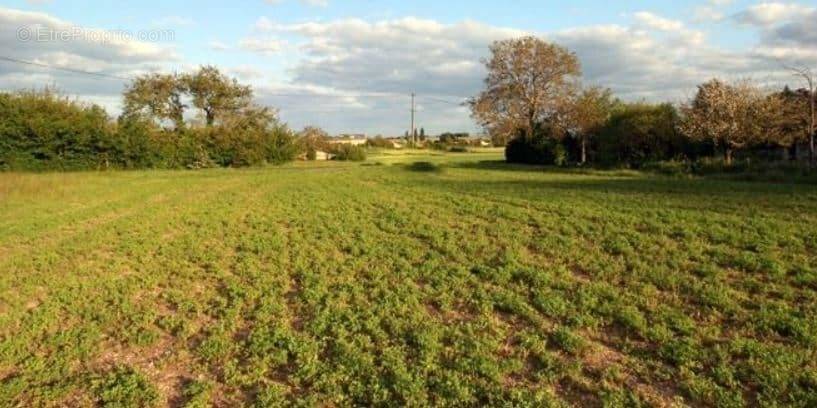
column 529, row 81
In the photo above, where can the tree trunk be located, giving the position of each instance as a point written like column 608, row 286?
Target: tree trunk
column 812, row 129
column 727, row 155
column 211, row 118
column 584, row 150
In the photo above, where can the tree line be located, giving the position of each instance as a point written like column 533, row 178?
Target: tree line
column 192, row 120
column 535, row 103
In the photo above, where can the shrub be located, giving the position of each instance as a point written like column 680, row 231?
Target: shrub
column 458, row 149
column 639, row 133
column 42, row 130
column 345, row 152
column 539, row 150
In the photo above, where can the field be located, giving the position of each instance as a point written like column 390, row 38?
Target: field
column 458, row 282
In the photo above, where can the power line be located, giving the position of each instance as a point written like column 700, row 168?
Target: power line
column 444, row 101
column 71, row 70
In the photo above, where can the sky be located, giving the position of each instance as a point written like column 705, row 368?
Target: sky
column 350, row 66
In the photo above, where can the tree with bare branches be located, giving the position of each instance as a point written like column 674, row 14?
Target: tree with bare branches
column 528, row 82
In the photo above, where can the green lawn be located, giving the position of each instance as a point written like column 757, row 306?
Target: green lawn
column 387, row 284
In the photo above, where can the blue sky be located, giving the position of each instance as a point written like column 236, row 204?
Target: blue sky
column 319, row 61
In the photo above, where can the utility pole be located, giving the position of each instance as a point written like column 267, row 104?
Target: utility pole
column 413, row 136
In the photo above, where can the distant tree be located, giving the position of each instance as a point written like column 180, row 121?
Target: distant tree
column 528, row 83
column 157, row 96
column 733, row 116
column 422, row 134
column 452, row 138
column 810, row 106
column 793, row 121
column 216, row 94
column 638, row 133
column 312, row 139
column 380, row 141
column 586, row 114
column 160, row 96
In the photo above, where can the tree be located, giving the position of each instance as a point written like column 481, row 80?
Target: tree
column 790, row 126
column 638, row 133
column 586, row 114
column 811, row 106
column 216, row 94
column 529, row 80
column 311, row 140
column 157, row 96
column 422, row 134
column 733, row 116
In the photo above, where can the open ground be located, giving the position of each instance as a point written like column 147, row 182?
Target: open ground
column 458, row 281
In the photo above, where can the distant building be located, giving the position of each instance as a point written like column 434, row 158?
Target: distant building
column 357, row 139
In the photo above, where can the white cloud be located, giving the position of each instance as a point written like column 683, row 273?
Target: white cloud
column 768, row 14
column 656, row 22
column 656, row 58
column 704, row 14
column 73, row 47
column 356, row 75
column 245, row 72
column 218, row 46
column 265, row 46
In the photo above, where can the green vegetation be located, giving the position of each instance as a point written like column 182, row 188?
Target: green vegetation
column 42, row 130
column 345, row 152
column 534, row 102
column 458, row 282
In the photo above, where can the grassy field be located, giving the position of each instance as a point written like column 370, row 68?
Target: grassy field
column 455, row 283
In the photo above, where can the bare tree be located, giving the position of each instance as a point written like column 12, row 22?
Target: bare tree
column 733, row 116
column 528, row 81
column 810, row 79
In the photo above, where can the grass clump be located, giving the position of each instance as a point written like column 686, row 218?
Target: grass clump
column 124, row 388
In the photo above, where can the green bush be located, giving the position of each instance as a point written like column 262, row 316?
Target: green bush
column 345, row 152
column 41, row 130
column 538, row 150
column 641, row 133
